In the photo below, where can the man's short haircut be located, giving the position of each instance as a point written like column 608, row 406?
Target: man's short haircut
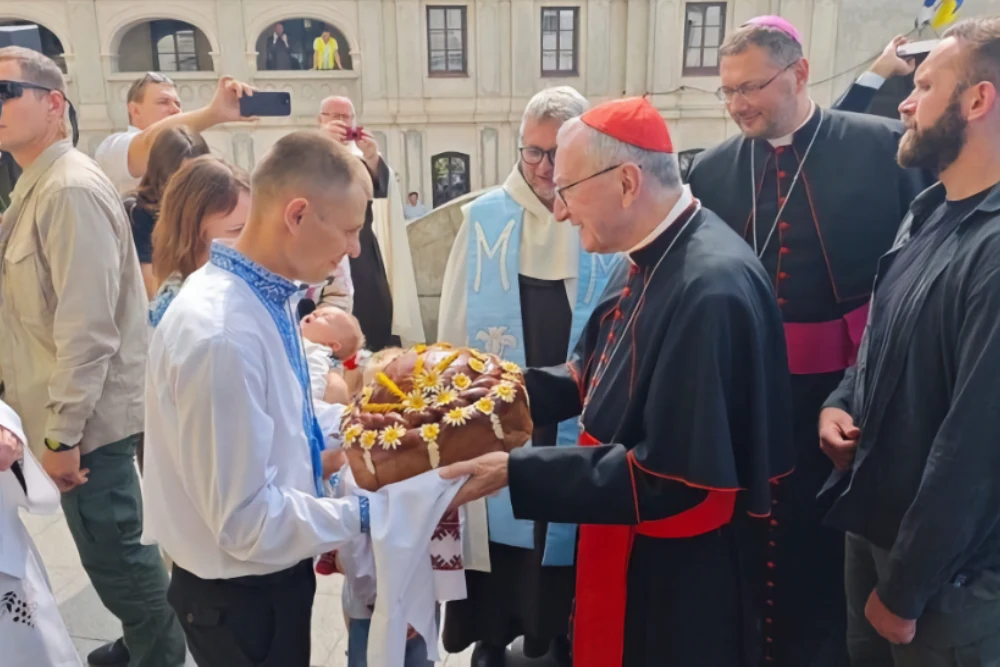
column 35, row 67
column 137, row 91
column 412, row 193
column 559, row 104
column 979, row 41
column 308, row 163
column 782, row 49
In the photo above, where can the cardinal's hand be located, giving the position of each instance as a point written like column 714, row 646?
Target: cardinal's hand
column 487, row 475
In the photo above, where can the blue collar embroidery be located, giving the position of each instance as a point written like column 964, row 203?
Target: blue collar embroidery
column 275, row 292
column 266, row 285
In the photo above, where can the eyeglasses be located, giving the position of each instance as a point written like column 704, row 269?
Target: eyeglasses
column 748, row 90
column 11, row 90
column 534, row 155
column 560, row 191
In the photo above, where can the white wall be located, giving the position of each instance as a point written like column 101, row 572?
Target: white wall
column 625, row 47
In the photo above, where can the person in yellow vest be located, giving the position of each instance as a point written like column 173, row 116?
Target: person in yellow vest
column 325, row 52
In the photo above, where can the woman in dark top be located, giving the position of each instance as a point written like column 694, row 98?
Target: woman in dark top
column 171, row 149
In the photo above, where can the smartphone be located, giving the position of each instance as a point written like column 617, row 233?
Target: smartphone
column 266, row 103
column 354, row 133
column 914, row 49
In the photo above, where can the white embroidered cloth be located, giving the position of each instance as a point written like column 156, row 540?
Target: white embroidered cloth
column 408, row 535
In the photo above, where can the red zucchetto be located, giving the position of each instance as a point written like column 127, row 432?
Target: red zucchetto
column 633, row 120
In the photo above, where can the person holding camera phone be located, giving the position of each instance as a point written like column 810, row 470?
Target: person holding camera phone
column 154, row 106
column 377, row 286
column 886, row 66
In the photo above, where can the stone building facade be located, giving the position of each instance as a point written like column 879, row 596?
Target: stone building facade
column 441, row 83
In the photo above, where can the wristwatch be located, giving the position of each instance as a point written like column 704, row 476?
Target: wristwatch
column 56, row 446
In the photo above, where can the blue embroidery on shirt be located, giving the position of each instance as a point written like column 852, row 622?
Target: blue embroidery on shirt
column 164, row 297
column 366, row 518
column 274, row 293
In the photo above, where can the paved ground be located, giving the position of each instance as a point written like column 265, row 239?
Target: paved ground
column 91, row 625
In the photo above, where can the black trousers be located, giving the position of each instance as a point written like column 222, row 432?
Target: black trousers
column 960, row 627
column 262, row 621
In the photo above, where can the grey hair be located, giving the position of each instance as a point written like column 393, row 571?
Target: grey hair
column 338, row 98
column 560, row 103
column 35, row 67
column 606, row 151
column 780, row 47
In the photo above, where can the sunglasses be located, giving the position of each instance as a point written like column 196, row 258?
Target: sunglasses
column 11, row 90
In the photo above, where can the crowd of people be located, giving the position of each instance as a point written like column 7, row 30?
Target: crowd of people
column 762, row 391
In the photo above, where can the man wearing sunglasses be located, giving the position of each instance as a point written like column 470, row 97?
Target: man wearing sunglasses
column 154, row 106
column 819, row 196
column 73, row 349
column 519, row 285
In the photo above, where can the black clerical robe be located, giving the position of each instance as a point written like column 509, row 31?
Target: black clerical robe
column 682, row 372
column 372, row 296
column 819, row 240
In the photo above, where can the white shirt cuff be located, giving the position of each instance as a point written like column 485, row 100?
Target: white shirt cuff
column 870, row 80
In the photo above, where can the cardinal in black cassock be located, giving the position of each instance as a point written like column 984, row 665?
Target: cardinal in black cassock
column 818, row 195
column 681, row 384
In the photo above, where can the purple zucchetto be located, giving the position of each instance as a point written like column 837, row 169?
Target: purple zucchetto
column 777, row 23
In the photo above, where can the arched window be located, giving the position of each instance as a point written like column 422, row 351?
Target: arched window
column 290, row 45
column 32, row 36
column 164, row 45
column 451, row 176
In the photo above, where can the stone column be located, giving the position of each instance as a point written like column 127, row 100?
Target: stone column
column 232, row 56
column 523, row 48
column 488, row 156
column 636, row 41
column 411, row 51
column 488, row 46
column 413, row 146
column 598, row 33
column 86, row 67
column 667, row 32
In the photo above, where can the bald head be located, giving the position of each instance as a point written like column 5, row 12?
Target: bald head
column 310, row 196
column 337, row 107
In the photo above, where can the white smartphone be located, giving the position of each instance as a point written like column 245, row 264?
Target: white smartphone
column 913, row 49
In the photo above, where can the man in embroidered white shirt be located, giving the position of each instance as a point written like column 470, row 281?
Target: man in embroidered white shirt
column 232, row 477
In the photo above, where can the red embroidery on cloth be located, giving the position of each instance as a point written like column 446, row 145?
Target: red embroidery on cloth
column 446, row 543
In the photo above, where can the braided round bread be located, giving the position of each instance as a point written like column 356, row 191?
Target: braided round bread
column 434, row 406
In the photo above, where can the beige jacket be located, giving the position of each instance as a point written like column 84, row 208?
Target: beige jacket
column 72, row 305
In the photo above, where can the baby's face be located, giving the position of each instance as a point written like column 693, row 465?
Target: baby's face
column 334, row 328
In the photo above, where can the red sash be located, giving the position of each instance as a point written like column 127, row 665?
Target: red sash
column 602, row 571
column 825, row 347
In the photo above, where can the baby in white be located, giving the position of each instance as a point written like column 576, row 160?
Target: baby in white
column 333, row 340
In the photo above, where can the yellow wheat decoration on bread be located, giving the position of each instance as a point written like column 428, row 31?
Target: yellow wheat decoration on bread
column 393, row 388
column 383, row 408
column 431, row 380
column 442, row 365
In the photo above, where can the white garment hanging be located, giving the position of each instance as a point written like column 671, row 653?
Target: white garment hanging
column 32, row 633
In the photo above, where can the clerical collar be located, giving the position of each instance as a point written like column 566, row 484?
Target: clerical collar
column 685, row 201
column 268, row 286
column 787, row 139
